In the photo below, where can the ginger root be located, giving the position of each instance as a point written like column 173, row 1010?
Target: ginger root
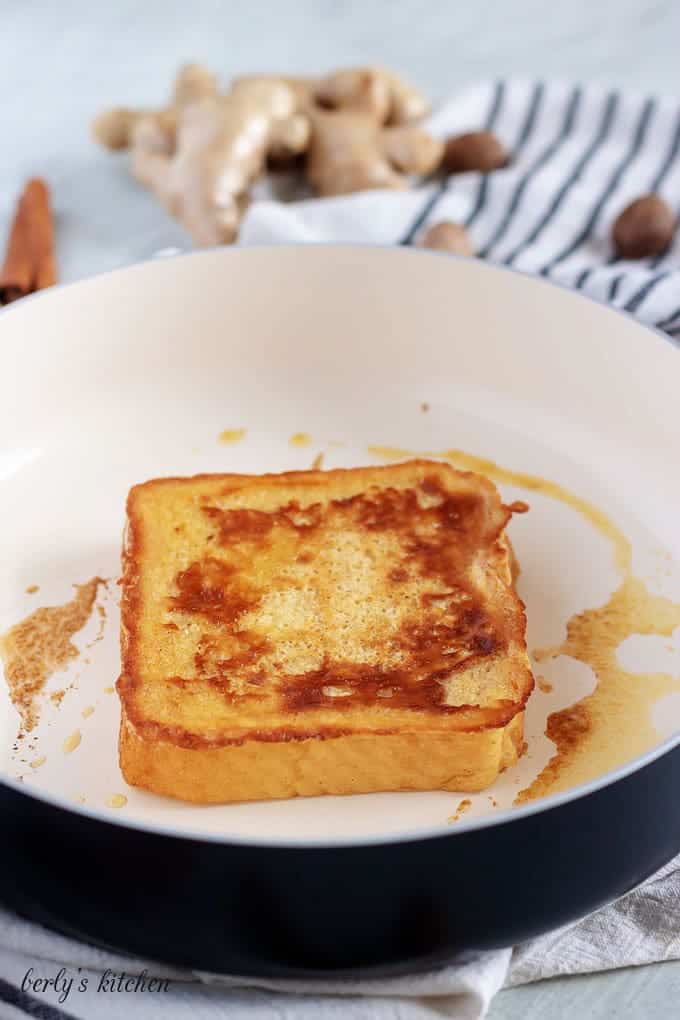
column 203, row 152
column 375, row 91
column 114, row 129
column 221, row 148
column 362, row 136
column 349, row 152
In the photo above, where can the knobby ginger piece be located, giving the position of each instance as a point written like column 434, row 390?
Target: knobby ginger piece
column 349, row 152
column 363, row 135
column 203, row 153
column 115, row 129
column 221, row 149
column 375, row 91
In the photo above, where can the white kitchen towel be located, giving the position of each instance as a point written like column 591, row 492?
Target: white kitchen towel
column 580, row 154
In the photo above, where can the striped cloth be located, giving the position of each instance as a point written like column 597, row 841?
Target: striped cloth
column 580, row 155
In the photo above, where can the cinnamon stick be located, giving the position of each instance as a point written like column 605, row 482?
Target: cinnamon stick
column 16, row 275
column 29, row 261
column 37, row 197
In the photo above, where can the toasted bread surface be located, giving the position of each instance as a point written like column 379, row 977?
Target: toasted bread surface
column 319, row 632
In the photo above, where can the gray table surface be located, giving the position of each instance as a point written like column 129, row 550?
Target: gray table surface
column 61, row 62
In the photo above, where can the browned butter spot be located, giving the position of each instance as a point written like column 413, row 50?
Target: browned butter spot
column 239, row 525
column 212, row 588
column 39, row 646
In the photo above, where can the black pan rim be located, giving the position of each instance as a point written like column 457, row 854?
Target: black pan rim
column 434, row 832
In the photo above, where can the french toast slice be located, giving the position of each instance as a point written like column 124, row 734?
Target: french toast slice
column 320, row 632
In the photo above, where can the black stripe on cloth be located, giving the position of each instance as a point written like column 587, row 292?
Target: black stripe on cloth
column 563, row 133
column 580, row 280
column 614, row 286
column 29, row 1005
column 673, row 335
column 525, row 134
column 634, row 302
column 497, row 100
column 669, row 321
column 423, row 215
column 668, row 162
column 613, row 183
column 658, row 180
column 603, row 130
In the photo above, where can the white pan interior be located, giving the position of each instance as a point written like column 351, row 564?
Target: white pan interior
column 134, row 375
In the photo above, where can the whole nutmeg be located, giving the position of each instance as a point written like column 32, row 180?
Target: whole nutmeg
column 447, row 236
column 644, row 228
column 477, row 150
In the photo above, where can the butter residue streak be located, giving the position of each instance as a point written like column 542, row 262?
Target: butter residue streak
column 72, row 742
column 460, row 810
column 317, row 463
column 612, row 725
column 533, row 483
column 118, row 800
column 39, row 646
column 231, row 436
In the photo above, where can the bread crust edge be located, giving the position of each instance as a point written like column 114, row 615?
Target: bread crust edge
column 348, row 764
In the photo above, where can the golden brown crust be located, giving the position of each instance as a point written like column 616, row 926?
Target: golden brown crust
column 452, row 670
column 348, row 764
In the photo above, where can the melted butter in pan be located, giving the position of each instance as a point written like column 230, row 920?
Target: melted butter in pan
column 612, row 725
column 39, row 646
column 230, row 436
